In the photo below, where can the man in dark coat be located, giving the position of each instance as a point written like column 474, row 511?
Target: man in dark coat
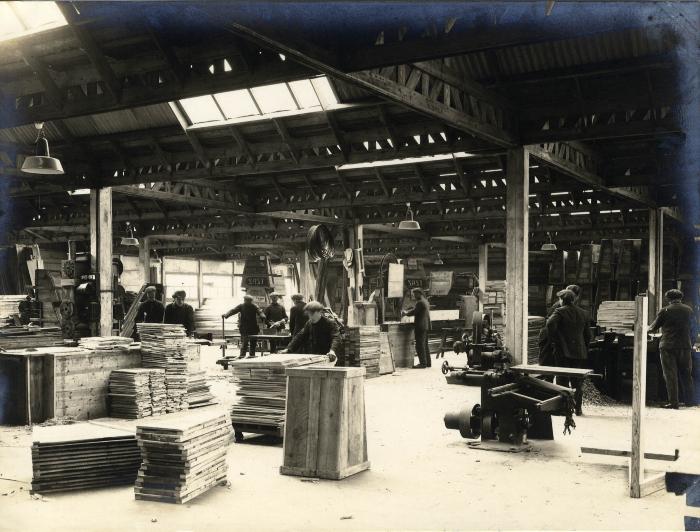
column 151, row 310
column 570, row 335
column 297, row 316
column 421, row 325
column 247, row 323
column 180, row 312
column 674, row 321
column 275, row 313
column 319, row 335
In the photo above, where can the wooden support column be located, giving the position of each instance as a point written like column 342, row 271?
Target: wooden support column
column 656, row 261
column 101, row 253
column 483, row 273
column 145, row 259
column 518, row 185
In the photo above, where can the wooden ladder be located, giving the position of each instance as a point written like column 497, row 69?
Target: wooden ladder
column 130, row 316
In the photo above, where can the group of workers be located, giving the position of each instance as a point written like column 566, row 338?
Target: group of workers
column 564, row 342
column 310, row 330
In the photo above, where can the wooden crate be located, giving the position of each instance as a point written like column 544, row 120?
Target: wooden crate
column 402, row 343
column 325, row 433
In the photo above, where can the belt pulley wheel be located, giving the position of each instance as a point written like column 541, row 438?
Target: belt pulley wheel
column 67, row 310
column 319, row 243
column 68, row 329
column 467, row 421
column 445, row 368
column 477, row 326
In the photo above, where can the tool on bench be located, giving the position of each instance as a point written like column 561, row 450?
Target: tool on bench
column 515, row 405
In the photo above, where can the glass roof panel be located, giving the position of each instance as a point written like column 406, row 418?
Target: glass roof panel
column 304, row 94
column 23, row 18
column 201, row 109
column 274, row 98
column 236, row 104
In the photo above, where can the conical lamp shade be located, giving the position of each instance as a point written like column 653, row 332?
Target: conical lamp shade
column 42, row 162
column 411, row 225
column 129, row 241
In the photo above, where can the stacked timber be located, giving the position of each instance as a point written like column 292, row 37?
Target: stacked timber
column 102, row 343
column 362, row 348
column 24, row 337
column 9, row 305
column 164, row 345
column 183, row 456
column 262, row 390
column 136, row 393
column 617, row 316
column 83, row 455
column 386, row 360
column 535, row 324
column 207, row 318
column 198, row 393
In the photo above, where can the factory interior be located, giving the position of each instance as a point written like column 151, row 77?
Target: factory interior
column 349, row 265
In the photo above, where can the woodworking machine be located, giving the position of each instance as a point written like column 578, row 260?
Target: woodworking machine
column 515, row 405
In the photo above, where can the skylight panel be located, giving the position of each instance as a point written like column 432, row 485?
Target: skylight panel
column 236, row 104
column 304, row 94
column 23, row 18
column 324, row 91
column 274, row 98
column 201, row 109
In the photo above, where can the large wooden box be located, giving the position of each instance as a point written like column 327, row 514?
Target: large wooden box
column 402, row 342
column 325, row 434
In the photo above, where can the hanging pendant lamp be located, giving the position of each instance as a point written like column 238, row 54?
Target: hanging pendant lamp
column 409, row 223
column 42, row 162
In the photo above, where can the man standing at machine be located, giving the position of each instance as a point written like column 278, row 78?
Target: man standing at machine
column 151, row 310
column 421, row 325
column 180, row 312
column 674, row 321
column 275, row 314
column 247, row 323
column 568, row 331
column 320, row 335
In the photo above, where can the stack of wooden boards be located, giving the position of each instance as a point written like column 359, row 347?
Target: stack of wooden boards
column 617, row 316
column 182, row 456
column 198, row 393
column 262, row 391
column 137, row 392
column 535, row 324
column 207, row 318
column 163, row 345
column 362, row 349
column 24, row 337
column 9, row 305
column 102, row 343
column 83, row 455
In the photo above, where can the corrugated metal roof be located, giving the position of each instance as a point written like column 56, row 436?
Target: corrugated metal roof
column 516, row 60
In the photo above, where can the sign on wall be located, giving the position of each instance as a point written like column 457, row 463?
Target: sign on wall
column 440, row 283
column 396, row 276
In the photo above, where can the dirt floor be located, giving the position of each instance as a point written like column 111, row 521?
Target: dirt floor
column 423, row 476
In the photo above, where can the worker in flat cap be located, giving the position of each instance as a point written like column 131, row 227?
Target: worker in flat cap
column 150, row 310
column 297, row 316
column 247, row 323
column 180, row 313
column 320, row 335
column 422, row 326
column 570, row 336
column 275, row 313
column 676, row 323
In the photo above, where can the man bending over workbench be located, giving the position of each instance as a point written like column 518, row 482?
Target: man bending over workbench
column 320, row 335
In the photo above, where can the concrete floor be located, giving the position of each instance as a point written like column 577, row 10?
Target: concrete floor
column 423, row 477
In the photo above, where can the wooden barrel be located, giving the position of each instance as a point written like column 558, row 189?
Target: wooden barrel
column 402, row 342
column 324, row 433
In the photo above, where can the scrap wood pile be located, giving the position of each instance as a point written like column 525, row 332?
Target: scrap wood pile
column 535, row 324
column 23, row 337
column 136, row 392
column 362, row 348
column 262, row 387
column 617, row 316
column 182, row 456
column 163, row 346
column 83, row 455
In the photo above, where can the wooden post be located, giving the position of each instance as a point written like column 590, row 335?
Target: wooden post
column 483, row 273
column 101, row 253
column 145, row 259
column 517, row 190
column 656, row 261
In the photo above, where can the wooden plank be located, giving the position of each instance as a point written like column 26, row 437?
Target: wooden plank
column 639, row 384
column 517, row 233
column 656, row 261
column 618, row 452
column 483, row 273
